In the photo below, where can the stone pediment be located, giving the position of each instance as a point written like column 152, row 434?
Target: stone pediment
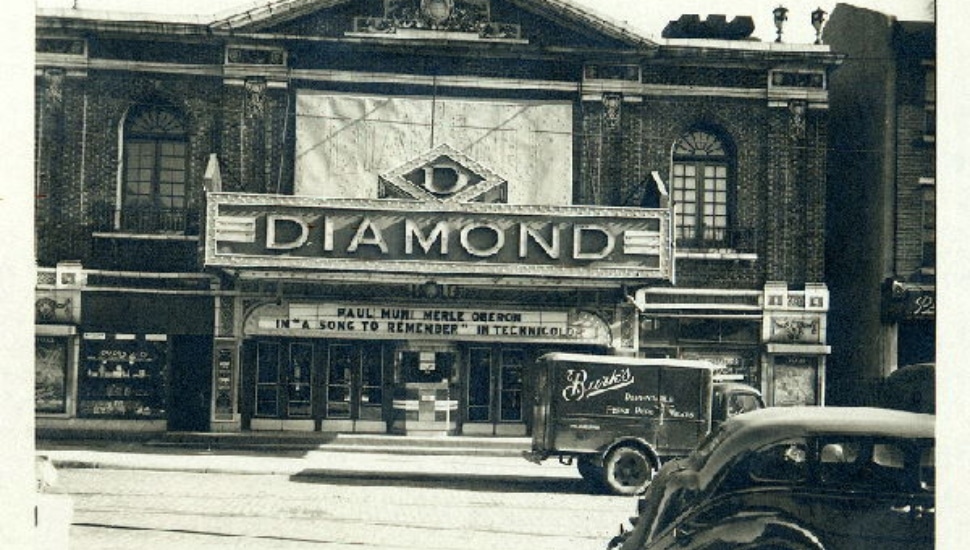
column 518, row 21
column 443, row 174
column 455, row 19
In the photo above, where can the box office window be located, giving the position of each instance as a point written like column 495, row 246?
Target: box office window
column 123, row 375
column 50, row 374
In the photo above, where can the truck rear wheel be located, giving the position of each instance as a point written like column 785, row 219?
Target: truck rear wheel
column 627, row 471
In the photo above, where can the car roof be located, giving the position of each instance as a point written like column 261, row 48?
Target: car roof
column 618, row 360
column 835, row 420
column 753, row 430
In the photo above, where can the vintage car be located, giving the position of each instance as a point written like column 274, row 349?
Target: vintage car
column 796, row 478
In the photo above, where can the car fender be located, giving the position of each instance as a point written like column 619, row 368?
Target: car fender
column 746, row 527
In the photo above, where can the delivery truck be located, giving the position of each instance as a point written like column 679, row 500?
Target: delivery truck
column 620, row 418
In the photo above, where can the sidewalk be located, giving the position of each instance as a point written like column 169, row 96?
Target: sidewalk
column 308, row 454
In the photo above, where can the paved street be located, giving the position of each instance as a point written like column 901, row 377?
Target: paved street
column 427, row 502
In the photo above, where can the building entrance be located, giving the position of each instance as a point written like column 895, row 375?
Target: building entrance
column 355, row 392
column 191, row 386
column 310, row 384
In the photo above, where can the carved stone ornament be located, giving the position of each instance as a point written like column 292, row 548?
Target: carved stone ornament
column 55, row 87
column 437, row 11
column 459, row 16
column 255, row 97
column 49, row 310
column 611, row 109
column 791, row 329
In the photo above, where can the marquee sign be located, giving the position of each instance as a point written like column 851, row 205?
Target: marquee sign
column 402, row 236
column 362, row 321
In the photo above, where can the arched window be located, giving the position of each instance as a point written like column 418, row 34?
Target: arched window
column 700, row 186
column 154, row 173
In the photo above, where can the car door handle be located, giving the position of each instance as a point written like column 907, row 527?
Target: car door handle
column 917, row 510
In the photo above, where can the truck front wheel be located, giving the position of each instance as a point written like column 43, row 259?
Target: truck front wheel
column 627, row 471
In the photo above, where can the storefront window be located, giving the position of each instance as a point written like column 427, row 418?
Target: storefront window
column 510, row 393
column 728, row 343
column 122, row 376
column 50, row 381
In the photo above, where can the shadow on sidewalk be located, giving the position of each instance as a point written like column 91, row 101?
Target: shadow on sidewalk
column 456, row 482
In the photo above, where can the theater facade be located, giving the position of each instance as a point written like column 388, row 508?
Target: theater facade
column 373, row 217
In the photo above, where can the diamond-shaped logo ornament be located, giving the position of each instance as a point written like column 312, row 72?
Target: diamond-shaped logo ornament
column 443, row 174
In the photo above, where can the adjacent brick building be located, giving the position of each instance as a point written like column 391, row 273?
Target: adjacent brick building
column 882, row 199
column 373, row 216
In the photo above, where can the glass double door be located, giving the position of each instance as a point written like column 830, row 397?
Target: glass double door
column 317, row 379
column 355, row 381
column 495, row 385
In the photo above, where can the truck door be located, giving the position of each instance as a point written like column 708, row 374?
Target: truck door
column 684, row 400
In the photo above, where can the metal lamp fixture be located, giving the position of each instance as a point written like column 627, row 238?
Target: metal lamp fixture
column 781, row 15
column 818, row 19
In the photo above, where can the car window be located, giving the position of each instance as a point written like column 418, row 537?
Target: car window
column 781, row 462
column 888, row 456
column 863, row 463
column 741, row 403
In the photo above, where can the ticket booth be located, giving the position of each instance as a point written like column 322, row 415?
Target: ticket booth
column 424, row 396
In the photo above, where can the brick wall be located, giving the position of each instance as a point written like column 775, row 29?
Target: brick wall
column 915, row 159
column 78, row 152
column 780, row 177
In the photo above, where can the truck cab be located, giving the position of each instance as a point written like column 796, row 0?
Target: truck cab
column 620, row 418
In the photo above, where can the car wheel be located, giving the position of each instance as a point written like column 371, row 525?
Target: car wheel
column 627, row 471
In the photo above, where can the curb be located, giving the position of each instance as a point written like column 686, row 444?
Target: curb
column 379, row 449
column 100, row 465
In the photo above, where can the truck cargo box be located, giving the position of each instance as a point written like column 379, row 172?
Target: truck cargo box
column 621, row 416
